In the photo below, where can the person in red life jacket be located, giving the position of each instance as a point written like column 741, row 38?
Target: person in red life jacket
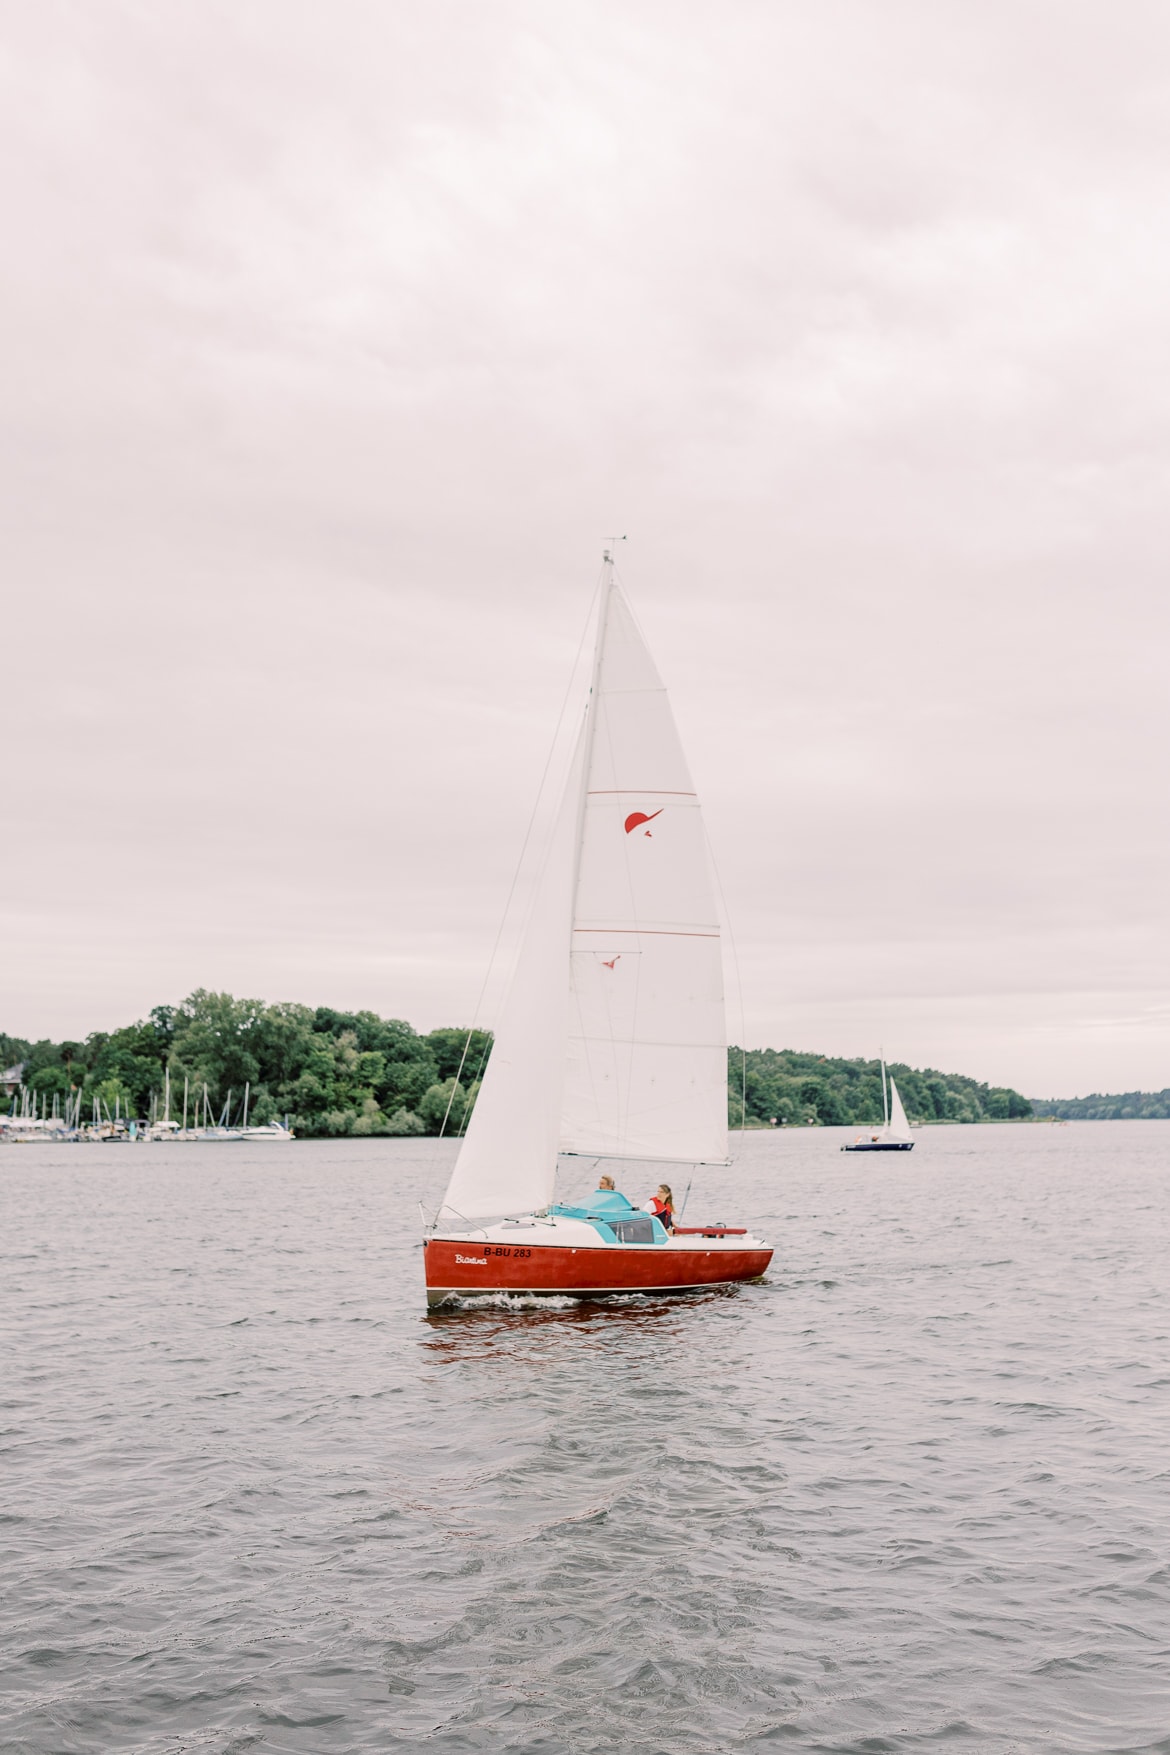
column 661, row 1205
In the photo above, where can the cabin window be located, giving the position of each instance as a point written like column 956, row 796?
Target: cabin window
column 632, row 1230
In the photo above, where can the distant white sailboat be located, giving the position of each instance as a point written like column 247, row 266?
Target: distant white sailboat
column 894, row 1133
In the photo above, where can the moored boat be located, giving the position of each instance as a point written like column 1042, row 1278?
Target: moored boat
column 612, row 1043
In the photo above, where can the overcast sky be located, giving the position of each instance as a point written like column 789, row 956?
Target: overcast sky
column 335, row 338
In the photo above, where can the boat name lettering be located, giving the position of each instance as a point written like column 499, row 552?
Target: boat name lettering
column 471, row 1260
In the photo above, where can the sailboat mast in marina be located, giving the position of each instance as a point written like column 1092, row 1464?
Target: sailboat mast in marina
column 612, row 1042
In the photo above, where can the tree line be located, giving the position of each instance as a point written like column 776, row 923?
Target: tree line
column 1125, row 1106
column 332, row 1072
column 777, row 1085
column 353, row 1073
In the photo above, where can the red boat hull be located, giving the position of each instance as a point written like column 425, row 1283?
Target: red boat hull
column 462, row 1269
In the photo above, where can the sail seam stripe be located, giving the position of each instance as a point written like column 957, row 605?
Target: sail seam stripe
column 642, row 931
column 640, row 1157
column 637, row 791
column 644, row 1042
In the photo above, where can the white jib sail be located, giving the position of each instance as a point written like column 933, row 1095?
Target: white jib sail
column 507, row 1164
column 646, row 1073
column 899, row 1128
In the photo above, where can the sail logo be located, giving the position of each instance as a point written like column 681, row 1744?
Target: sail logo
column 637, row 818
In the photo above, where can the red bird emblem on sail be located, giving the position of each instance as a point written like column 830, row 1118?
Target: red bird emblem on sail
column 638, row 817
column 611, row 962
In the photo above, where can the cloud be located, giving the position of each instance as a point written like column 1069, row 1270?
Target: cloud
column 333, row 345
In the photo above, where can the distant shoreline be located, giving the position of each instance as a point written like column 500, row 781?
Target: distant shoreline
column 218, row 1059
column 1124, row 1106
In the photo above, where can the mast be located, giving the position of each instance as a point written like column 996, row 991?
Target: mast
column 591, row 719
column 885, row 1098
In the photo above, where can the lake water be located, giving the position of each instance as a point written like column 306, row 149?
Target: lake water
column 910, row 1494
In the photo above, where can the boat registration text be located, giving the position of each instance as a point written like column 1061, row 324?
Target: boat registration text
column 489, row 1249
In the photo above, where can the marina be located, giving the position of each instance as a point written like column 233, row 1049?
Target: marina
column 34, row 1120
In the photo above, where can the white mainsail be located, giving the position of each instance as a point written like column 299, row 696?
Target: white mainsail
column 612, row 1040
column 899, row 1127
column 508, row 1160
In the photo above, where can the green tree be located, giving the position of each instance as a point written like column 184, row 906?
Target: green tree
column 213, row 1042
column 403, row 1121
column 450, row 1102
column 13, row 1051
column 50, row 1079
column 791, row 1086
column 112, row 1097
column 461, row 1054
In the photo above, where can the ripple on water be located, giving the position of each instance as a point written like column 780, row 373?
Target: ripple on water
column 906, row 1494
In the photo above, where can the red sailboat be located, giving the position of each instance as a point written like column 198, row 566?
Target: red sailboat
column 612, row 1042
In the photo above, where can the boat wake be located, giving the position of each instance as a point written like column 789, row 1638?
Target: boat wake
column 508, row 1301
column 545, row 1303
